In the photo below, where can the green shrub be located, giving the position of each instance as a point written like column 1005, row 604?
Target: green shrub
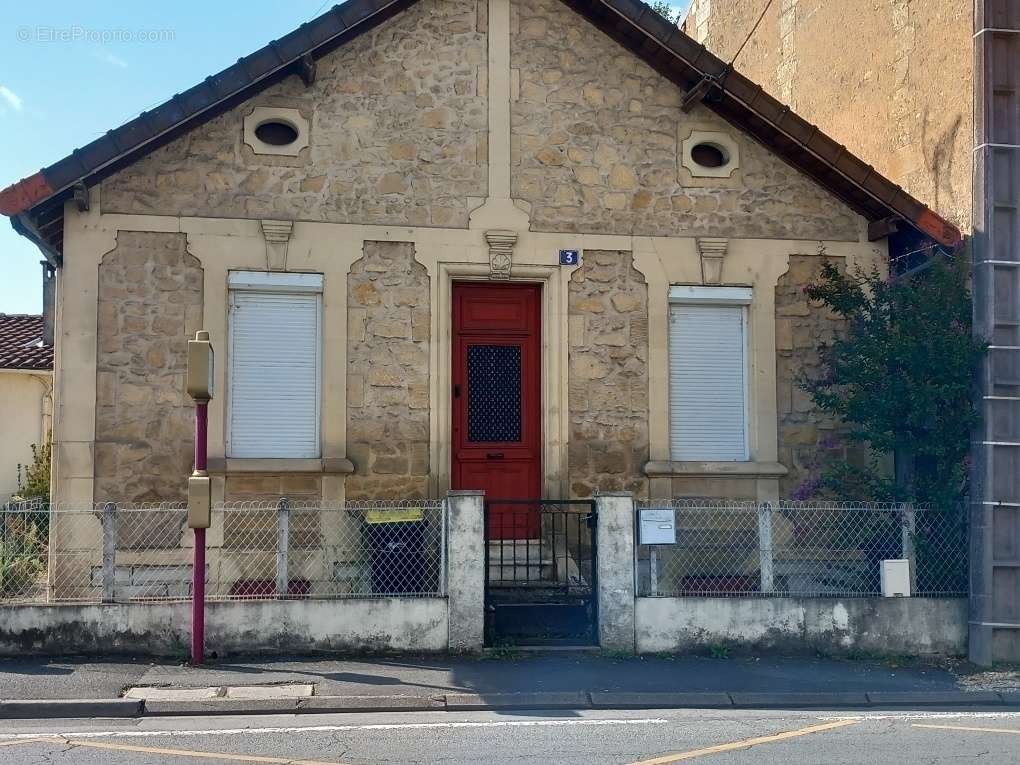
column 900, row 379
column 34, row 479
column 23, row 552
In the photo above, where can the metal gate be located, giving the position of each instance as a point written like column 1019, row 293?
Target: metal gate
column 540, row 569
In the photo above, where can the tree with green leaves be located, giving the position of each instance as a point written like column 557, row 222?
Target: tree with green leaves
column 900, row 378
column 666, row 10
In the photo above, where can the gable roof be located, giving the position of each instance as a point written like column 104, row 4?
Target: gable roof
column 35, row 202
column 21, row 344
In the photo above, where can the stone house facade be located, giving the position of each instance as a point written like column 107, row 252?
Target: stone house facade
column 319, row 207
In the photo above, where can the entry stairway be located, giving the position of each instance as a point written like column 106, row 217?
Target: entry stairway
column 527, row 562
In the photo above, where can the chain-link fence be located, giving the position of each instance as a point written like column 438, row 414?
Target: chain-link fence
column 774, row 549
column 254, row 550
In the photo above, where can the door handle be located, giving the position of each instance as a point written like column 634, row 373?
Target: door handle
column 494, row 455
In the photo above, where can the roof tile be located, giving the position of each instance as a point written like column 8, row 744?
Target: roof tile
column 21, row 343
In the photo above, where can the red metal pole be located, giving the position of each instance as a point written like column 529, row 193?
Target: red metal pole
column 198, row 574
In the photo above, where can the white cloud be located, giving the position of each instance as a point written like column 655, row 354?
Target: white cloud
column 104, row 55
column 11, row 98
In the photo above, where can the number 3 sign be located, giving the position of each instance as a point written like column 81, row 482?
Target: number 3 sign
column 570, row 257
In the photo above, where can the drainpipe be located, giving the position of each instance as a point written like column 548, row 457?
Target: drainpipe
column 49, row 282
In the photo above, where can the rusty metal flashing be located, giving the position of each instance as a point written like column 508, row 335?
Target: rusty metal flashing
column 643, row 31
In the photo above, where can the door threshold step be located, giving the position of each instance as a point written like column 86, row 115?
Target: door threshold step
column 556, row 648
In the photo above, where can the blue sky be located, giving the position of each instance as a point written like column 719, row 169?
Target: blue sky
column 70, row 71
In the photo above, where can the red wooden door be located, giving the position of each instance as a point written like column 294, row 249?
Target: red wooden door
column 497, row 443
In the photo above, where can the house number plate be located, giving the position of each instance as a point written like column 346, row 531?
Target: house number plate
column 570, row 257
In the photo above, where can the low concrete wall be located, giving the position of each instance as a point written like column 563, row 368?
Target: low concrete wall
column 164, row 629
column 889, row 626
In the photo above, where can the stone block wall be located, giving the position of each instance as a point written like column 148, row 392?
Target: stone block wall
column 264, row 487
column 398, row 136
column 807, row 435
column 388, row 373
column 150, row 303
column 608, row 317
column 594, row 147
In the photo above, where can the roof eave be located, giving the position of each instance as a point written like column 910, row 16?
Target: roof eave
column 643, row 31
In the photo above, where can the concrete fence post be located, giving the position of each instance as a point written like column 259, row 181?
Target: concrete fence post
column 908, row 532
column 614, row 538
column 765, row 560
column 109, row 523
column 465, row 566
column 282, row 546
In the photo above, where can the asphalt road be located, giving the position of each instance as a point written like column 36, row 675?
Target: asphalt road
column 521, row 738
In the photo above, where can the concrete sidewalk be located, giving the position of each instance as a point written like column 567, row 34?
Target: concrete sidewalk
column 548, row 680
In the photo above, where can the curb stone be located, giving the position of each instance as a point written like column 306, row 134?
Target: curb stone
column 328, row 704
column 27, row 709
column 458, row 702
column 780, row 700
column 632, row 700
column 463, row 702
column 222, row 706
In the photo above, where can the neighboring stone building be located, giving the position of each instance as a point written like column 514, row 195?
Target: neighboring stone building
column 26, row 394
column 497, row 244
column 891, row 79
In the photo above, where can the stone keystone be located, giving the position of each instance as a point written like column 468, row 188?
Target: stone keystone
column 713, row 252
column 277, row 235
column 501, row 246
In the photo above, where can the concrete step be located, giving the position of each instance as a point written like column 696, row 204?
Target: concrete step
column 521, row 572
column 506, row 552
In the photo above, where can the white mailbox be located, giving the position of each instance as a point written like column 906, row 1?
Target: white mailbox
column 656, row 526
column 894, row 577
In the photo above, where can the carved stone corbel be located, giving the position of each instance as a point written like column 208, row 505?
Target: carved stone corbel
column 277, row 236
column 501, row 247
column 713, row 252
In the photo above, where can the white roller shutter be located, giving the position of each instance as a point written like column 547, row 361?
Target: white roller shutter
column 274, row 374
column 708, row 385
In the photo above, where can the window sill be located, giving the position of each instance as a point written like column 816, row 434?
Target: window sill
column 328, row 466
column 659, row 469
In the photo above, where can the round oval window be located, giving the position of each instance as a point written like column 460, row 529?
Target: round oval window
column 709, row 155
column 276, row 133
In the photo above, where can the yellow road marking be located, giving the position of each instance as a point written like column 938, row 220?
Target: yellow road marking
column 964, row 727
column 746, row 743
column 176, row 752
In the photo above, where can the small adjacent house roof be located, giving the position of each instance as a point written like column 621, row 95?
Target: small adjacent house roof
column 35, row 203
column 21, row 343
